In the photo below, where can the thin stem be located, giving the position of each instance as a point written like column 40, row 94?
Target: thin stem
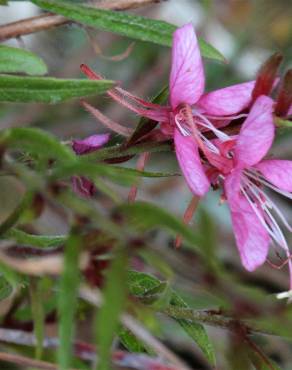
column 212, row 319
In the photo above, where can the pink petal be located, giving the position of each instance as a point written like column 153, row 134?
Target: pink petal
column 227, row 101
column 252, row 239
column 90, row 144
column 187, row 80
column 290, row 111
column 190, row 163
column 256, row 134
column 277, row 172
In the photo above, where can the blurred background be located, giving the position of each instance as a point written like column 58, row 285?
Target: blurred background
column 246, row 32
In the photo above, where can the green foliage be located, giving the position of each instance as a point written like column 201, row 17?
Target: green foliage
column 5, row 287
column 48, row 90
column 41, row 241
column 107, row 321
column 68, row 299
column 145, row 286
column 149, row 216
column 129, row 25
column 15, row 60
column 36, row 298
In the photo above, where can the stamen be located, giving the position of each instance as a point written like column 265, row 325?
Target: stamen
column 256, row 176
column 208, row 124
column 270, row 223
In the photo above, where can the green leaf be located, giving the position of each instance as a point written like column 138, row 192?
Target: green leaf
column 149, row 216
column 129, row 25
column 15, row 60
column 37, row 142
column 195, row 330
column 48, row 90
column 41, row 241
column 129, row 341
column 118, row 151
column 5, row 287
column 141, row 285
column 115, row 293
column 68, row 299
column 37, row 310
column 118, row 174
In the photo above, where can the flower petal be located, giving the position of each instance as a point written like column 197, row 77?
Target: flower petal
column 90, row 144
column 277, row 172
column 187, row 80
column 190, row 163
column 227, row 101
column 256, row 134
column 252, row 239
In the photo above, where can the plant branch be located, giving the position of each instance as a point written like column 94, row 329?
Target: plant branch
column 209, row 318
column 47, row 21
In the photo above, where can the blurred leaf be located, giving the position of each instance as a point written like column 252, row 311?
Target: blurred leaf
column 283, row 123
column 36, row 141
column 3, row 2
column 14, row 217
column 129, row 25
column 13, row 277
column 21, row 89
column 130, row 342
column 5, row 287
column 114, row 295
column 37, row 310
column 15, row 60
column 118, row 174
column 149, row 216
column 120, row 151
column 68, row 299
column 42, row 241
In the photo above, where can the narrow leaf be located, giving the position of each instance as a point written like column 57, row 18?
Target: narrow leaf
column 37, row 142
column 16, row 60
column 48, row 90
column 41, row 241
column 37, row 310
column 118, row 174
column 68, row 300
column 107, row 322
column 129, row 25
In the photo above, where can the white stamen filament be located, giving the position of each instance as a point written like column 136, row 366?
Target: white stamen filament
column 208, row 124
column 272, row 205
column 278, row 234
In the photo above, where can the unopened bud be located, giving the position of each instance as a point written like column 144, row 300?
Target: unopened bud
column 284, row 101
column 266, row 76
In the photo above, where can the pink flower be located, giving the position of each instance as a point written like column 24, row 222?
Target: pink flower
column 253, row 212
column 190, row 113
column 80, row 184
